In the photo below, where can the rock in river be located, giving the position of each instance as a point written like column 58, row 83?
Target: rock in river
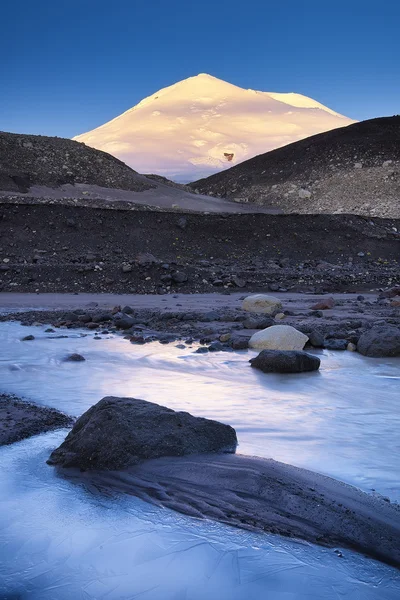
column 285, row 361
column 118, row 432
column 75, row 358
column 278, row 337
column 262, row 303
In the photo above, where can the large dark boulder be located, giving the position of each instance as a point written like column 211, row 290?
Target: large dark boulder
column 119, row 432
column 285, row 361
column 382, row 340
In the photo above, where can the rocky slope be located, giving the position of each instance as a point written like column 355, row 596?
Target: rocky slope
column 354, row 169
column 27, row 160
column 202, row 124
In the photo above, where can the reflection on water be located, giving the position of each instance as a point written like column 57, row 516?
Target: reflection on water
column 60, row 542
column 343, row 421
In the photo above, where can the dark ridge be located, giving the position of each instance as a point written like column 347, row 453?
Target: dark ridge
column 334, row 167
column 27, row 160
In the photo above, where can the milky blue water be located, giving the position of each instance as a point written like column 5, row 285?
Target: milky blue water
column 59, row 541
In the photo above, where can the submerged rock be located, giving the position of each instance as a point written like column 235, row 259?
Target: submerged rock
column 262, row 303
column 119, row 432
column 285, row 361
column 380, row 341
column 278, row 337
column 76, row 357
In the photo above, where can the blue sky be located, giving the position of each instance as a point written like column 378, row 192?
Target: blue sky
column 68, row 66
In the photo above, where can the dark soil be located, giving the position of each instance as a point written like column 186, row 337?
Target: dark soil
column 57, row 248
column 28, row 160
column 20, row 419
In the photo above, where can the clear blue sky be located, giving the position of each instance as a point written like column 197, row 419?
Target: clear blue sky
column 68, row 66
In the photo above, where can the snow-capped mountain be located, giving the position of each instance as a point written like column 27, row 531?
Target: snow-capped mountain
column 202, row 125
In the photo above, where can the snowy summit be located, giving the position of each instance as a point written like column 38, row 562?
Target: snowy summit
column 202, row 125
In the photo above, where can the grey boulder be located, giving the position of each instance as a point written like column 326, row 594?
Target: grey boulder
column 119, row 432
column 383, row 340
column 285, row 361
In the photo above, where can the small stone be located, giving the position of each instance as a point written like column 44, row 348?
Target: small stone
column 239, row 282
column 333, row 344
column 179, row 277
column 225, row 337
column 325, row 304
column 28, row 338
column 182, row 223
column 128, row 310
column 240, row 344
column 258, row 322
column 75, row 357
column 316, row 339
column 126, row 268
column 137, row 339
column 215, row 346
column 351, row 347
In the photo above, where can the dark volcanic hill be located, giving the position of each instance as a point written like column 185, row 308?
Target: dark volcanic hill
column 354, row 169
column 27, row 160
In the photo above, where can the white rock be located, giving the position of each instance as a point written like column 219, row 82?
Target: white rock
column 304, row 193
column 278, row 337
column 262, row 303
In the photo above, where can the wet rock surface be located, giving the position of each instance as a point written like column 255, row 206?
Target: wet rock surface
column 289, row 361
column 262, row 495
column 20, row 419
column 119, row 432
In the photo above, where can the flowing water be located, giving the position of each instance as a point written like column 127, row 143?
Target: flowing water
column 58, row 541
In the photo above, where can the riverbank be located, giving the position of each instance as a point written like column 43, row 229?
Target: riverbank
column 203, row 317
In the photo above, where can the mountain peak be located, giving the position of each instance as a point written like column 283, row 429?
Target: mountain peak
column 203, row 124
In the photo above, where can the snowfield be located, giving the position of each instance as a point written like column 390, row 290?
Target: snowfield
column 202, row 125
